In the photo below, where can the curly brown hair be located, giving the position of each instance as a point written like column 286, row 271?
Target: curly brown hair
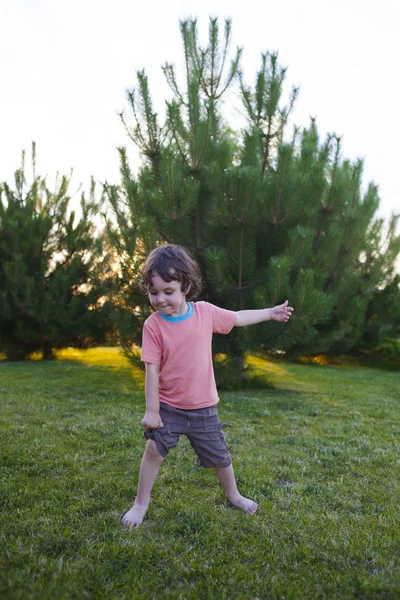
column 172, row 263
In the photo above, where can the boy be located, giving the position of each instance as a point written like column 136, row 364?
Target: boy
column 181, row 394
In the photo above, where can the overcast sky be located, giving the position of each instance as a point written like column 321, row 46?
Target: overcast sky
column 65, row 66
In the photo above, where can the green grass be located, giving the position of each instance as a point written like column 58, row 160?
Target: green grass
column 319, row 451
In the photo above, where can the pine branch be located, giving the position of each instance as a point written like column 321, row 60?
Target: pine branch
column 278, row 196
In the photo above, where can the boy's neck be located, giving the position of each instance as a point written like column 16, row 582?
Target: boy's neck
column 183, row 310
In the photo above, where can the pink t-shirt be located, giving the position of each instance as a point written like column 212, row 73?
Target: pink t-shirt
column 182, row 348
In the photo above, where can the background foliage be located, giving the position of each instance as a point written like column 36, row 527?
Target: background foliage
column 51, row 281
column 270, row 212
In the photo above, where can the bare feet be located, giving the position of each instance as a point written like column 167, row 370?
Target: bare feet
column 134, row 517
column 248, row 506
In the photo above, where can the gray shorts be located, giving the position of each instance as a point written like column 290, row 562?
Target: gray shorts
column 202, row 427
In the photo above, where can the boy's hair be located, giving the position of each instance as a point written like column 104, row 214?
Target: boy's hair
column 172, row 263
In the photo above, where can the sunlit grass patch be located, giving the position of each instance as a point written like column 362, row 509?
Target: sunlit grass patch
column 107, row 357
column 103, row 356
column 269, row 366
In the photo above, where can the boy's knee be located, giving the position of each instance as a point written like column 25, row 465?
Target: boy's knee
column 152, row 451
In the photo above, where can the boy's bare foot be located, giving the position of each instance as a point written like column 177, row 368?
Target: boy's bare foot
column 248, row 506
column 134, row 517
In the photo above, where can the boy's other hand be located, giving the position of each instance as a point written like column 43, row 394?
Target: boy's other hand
column 152, row 420
column 281, row 313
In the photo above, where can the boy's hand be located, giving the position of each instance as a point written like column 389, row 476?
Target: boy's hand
column 152, row 420
column 281, row 313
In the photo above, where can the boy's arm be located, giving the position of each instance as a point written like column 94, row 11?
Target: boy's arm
column 279, row 313
column 152, row 419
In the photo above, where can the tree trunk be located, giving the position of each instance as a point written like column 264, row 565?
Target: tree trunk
column 47, row 350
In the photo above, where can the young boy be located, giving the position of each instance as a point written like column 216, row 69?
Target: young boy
column 181, row 394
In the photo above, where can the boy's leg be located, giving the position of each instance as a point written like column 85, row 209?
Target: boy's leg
column 209, row 443
column 149, row 467
column 227, row 479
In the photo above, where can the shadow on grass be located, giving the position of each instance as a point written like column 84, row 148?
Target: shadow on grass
column 348, row 361
column 92, row 376
column 251, row 404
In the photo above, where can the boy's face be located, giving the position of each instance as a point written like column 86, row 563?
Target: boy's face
column 167, row 297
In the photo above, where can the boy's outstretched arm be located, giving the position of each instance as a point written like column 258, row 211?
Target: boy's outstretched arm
column 279, row 313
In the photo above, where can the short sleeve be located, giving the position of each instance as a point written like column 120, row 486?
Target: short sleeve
column 223, row 319
column 151, row 346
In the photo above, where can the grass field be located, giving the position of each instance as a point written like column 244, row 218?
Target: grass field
column 319, row 450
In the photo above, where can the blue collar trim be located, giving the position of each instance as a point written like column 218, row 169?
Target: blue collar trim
column 181, row 318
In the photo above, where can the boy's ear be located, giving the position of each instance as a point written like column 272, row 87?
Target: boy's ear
column 187, row 289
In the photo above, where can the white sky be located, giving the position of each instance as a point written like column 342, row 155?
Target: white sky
column 65, row 66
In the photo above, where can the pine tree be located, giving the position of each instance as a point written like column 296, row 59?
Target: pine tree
column 268, row 213
column 381, row 333
column 51, row 295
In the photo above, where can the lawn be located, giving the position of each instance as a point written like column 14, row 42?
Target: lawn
column 319, row 450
